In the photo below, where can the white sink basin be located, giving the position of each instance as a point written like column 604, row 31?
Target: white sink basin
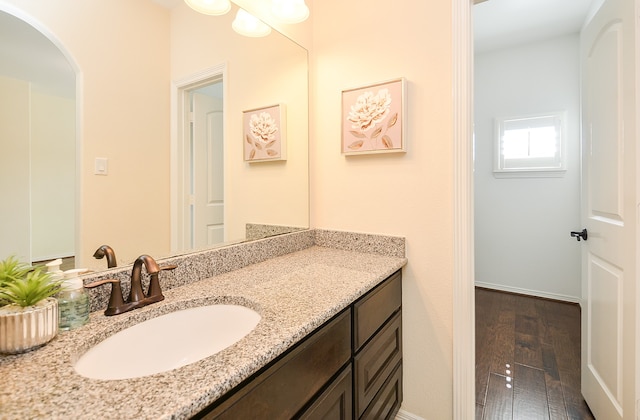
column 167, row 342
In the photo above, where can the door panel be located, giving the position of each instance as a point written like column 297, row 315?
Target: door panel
column 608, row 306
column 604, row 90
column 605, row 316
column 208, row 188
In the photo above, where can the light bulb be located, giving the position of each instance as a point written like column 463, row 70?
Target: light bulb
column 289, row 11
column 248, row 25
column 210, row 7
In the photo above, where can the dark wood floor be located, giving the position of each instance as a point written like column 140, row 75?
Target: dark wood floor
column 527, row 358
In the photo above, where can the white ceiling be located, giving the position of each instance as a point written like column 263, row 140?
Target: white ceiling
column 504, row 23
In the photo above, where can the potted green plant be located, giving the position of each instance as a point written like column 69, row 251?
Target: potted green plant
column 28, row 310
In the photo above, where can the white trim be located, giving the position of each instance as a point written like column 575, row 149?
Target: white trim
column 80, row 184
column 464, row 404
column 405, row 415
column 637, row 243
column 539, row 173
column 201, row 77
column 529, row 292
column 178, row 87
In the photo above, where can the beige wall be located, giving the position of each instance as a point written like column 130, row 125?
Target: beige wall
column 356, row 43
column 123, row 64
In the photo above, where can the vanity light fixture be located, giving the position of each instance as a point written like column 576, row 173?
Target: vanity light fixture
column 289, row 11
column 210, row 7
column 248, row 25
column 285, row 11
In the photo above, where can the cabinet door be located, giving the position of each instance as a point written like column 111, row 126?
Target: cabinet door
column 370, row 312
column 336, row 402
column 376, row 362
column 386, row 403
column 288, row 385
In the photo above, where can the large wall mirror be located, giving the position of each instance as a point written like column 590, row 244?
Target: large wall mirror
column 137, row 142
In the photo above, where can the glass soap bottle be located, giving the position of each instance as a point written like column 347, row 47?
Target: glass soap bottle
column 73, row 301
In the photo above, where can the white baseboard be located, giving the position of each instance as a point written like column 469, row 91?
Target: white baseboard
column 405, row 415
column 529, row 292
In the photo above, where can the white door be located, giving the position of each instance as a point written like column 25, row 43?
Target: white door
column 207, row 171
column 608, row 311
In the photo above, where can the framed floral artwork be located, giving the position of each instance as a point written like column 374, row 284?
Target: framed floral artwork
column 373, row 118
column 264, row 133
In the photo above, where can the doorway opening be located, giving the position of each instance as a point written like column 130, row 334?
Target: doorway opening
column 198, row 162
column 523, row 215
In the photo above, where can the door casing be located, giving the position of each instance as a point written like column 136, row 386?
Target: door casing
column 463, row 279
column 180, row 131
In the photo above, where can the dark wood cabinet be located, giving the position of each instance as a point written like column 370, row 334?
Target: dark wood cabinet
column 351, row 367
column 336, row 403
column 377, row 349
column 386, row 403
column 287, row 385
column 371, row 311
column 375, row 363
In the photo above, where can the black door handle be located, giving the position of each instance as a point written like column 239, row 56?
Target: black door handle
column 579, row 235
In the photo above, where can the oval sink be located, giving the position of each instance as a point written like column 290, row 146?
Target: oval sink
column 167, row 342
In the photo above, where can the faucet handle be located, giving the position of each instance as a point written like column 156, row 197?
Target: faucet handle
column 155, row 291
column 116, row 301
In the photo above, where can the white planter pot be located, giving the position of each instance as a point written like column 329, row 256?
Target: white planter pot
column 24, row 329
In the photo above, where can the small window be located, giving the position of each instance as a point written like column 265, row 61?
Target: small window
column 530, row 146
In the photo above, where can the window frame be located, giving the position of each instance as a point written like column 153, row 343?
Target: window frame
column 532, row 166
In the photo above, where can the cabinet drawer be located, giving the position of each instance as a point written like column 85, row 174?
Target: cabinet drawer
column 289, row 384
column 376, row 362
column 336, row 402
column 370, row 312
column 386, row 403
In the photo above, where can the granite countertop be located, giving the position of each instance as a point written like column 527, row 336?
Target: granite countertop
column 294, row 294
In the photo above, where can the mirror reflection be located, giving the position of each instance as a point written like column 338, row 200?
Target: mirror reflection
column 141, row 147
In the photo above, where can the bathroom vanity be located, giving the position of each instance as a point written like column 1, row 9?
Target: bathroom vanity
column 329, row 340
column 351, row 367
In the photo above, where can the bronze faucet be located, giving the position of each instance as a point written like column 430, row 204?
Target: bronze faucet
column 106, row 251
column 137, row 298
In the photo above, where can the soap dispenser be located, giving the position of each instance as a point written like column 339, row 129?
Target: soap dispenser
column 73, row 301
column 53, row 267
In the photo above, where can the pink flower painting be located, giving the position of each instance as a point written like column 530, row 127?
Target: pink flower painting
column 264, row 134
column 372, row 118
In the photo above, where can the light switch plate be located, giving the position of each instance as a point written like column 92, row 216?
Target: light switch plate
column 101, row 166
